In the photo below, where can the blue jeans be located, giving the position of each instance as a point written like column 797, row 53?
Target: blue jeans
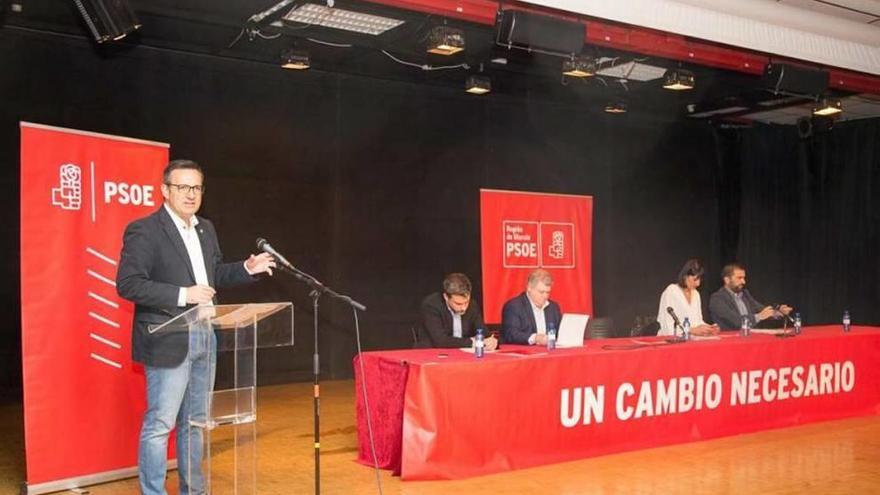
column 174, row 397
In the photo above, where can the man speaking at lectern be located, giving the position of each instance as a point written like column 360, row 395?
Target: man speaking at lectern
column 170, row 262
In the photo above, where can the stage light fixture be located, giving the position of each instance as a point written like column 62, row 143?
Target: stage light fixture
column 828, row 107
column 579, row 67
column 478, row 84
column 108, row 19
column 678, row 79
column 616, row 107
column 445, row 40
column 295, row 59
column 312, row 14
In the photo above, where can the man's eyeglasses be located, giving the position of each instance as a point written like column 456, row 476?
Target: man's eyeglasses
column 186, row 188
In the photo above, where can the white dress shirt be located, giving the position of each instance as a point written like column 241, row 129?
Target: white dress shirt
column 193, row 248
column 673, row 297
column 540, row 321
column 456, row 323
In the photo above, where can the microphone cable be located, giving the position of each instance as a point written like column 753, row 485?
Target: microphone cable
column 357, row 332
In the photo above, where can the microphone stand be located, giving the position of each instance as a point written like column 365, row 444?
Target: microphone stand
column 675, row 326
column 675, row 337
column 318, row 289
column 785, row 319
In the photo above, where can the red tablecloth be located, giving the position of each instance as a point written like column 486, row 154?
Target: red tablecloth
column 444, row 414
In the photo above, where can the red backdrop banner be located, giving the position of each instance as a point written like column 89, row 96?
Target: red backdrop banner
column 522, row 231
column 83, row 398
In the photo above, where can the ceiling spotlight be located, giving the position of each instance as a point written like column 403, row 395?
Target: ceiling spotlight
column 615, row 107
column 445, row 40
column 478, row 84
column 295, row 59
column 828, row 107
column 678, row 79
column 579, row 67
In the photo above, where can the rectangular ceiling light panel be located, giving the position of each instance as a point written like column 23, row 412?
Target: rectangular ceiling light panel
column 346, row 20
column 631, row 71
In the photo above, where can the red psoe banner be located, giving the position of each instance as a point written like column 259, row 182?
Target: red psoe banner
column 522, row 231
column 83, row 398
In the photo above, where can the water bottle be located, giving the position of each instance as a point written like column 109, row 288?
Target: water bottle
column 686, row 329
column 479, row 345
column 846, row 320
column 797, row 323
column 551, row 337
column 746, row 328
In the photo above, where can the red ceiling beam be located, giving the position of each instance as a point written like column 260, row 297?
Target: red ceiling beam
column 478, row 11
column 854, row 81
column 635, row 39
column 673, row 46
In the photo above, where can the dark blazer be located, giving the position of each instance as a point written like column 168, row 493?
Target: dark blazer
column 518, row 321
column 154, row 265
column 437, row 323
column 723, row 310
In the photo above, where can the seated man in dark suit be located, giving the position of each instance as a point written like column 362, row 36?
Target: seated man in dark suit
column 526, row 318
column 729, row 304
column 451, row 318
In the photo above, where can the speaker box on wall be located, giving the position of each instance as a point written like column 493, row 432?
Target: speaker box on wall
column 108, row 19
column 528, row 30
column 791, row 78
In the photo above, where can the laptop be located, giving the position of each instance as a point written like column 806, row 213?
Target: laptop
column 571, row 330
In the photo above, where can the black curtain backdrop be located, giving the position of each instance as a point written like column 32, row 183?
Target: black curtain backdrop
column 373, row 186
column 801, row 214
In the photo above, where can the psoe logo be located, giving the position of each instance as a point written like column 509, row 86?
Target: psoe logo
column 521, row 244
column 68, row 194
column 556, row 250
column 530, row 244
column 558, row 245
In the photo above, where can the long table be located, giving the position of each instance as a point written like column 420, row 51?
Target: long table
column 445, row 414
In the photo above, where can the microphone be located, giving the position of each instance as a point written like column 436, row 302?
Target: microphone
column 674, row 317
column 786, row 317
column 263, row 245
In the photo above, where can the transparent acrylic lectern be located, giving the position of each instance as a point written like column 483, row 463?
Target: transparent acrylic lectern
column 222, row 392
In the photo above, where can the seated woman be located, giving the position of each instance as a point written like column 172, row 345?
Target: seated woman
column 684, row 299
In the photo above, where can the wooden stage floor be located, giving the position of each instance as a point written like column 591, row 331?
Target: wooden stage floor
column 840, row 457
